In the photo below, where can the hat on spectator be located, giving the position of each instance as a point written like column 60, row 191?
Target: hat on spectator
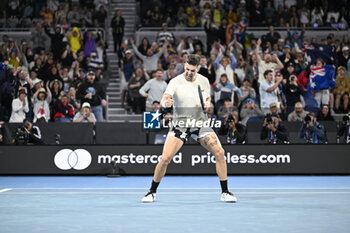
column 91, row 72
column 86, row 105
column 341, row 68
column 250, row 100
column 287, row 46
column 128, row 51
column 60, row 84
column 35, row 81
column 273, row 105
column 42, row 90
column 290, row 64
column 294, row 32
column 345, row 48
column 164, row 24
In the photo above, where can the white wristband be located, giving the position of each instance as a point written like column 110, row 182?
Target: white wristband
column 163, row 104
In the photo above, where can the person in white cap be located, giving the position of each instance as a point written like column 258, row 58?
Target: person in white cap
column 85, row 114
column 41, row 100
column 343, row 57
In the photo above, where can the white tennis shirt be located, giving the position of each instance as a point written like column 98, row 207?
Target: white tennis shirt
column 185, row 94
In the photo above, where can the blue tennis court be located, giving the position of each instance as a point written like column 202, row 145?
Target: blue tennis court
column 184, row 204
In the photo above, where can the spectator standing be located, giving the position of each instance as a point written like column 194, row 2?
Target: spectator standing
column 74, row 16
column 68, row 56
column 75, row 39
column 153, row 89
column 293, row 91
column 321, row 80
column 127, row 68
column 144, row 46
column 341, row 90
column 343, row 57
column 41, row 101
column 96, row 64
column 92, row 92
column 39, row 38
column 56, row 86
column 101, row 16
column 117, row 25
column 211, row 30
column 89, row 43
column 19, row 107
column 207, row 71
column 269, row 92
column 267, row 63
column 222, row 66
column 135, row 83
column 166, row 35
column 296, row 40
column 57, row 44
column 150, row 62
column 272, row 36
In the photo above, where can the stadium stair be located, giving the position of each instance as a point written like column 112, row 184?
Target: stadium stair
column 115, row 112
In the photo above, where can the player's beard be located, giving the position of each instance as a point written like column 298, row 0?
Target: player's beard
column 189, row 76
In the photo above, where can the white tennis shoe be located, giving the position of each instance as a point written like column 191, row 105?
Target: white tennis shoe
column 149, row 197
column 228, row 197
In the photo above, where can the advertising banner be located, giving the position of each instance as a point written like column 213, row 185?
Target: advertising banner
column 190, row 160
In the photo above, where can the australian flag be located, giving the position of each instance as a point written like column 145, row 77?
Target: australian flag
column 239, row 31
column 321, row 77
column 314, row 51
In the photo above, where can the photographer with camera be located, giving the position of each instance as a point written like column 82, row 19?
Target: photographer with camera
column 273, row 130
column 312, row 130
column 235, row 132
column 344, row 129
column 27, row 134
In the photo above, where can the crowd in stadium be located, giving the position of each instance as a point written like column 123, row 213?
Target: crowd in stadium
column 46, row 77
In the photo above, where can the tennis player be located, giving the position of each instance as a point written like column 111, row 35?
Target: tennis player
column 182, row 93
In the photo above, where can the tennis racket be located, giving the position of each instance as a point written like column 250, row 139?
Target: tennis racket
column 202, row 101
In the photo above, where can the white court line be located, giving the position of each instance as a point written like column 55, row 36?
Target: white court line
column 259, row 188
column 172, row 193
column 4, row 190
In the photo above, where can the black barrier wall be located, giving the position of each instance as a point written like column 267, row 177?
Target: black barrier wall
column 69, row 133
column 133, row 133
column 190, row 160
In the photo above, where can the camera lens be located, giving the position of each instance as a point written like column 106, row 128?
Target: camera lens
column 307, row 119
